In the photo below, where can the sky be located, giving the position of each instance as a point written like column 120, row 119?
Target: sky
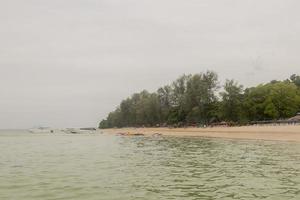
column 68, row 63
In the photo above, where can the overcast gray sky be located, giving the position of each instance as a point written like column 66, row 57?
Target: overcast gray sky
column 67, row 63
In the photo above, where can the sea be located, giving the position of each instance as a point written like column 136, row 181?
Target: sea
column 60, row 166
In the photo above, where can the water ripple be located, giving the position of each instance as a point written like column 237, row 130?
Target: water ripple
column 115, row 167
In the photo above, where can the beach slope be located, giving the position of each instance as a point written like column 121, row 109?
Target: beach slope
column 278, row 133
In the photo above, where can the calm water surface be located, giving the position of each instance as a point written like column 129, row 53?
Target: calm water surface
column 44, row 166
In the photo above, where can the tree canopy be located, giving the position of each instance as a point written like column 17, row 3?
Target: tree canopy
column 200, row 100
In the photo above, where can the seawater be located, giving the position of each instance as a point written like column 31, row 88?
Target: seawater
column 109, row 167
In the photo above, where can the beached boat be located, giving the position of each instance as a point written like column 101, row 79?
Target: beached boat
column 71, row 131
column 80, row 130
column 41, row 130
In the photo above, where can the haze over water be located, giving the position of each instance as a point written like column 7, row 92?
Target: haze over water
column 61, row 166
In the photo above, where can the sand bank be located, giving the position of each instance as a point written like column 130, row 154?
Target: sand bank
column 279, row 133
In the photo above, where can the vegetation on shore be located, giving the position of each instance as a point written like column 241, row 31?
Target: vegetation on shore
column 197, row 100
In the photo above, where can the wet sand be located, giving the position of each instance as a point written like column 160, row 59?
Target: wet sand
column 278, row 133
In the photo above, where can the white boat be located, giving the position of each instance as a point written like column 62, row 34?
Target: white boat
column 41, row 130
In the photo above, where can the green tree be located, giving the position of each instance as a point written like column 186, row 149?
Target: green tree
column 295, row 79
column 192, row 99
column 201, row 98
column 272, row 101
column 164, row 95
column 285, row 99
column 232, row 101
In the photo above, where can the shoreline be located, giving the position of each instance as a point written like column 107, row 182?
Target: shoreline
column 276, row 133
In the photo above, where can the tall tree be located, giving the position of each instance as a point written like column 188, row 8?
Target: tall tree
column 200, row 97
column 164, row 95
column 232, row 99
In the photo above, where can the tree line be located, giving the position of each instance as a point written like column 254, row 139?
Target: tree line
column 200, row 100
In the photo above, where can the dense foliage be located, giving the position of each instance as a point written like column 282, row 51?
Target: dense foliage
column 195, row 100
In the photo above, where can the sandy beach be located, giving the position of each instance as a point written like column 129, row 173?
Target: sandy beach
column 278, row 133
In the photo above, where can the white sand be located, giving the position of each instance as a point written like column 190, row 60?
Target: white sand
column 279, row 133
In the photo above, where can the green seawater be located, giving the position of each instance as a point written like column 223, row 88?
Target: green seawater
column 108, row 167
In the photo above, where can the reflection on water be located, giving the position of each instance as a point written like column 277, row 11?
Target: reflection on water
column 37, row 166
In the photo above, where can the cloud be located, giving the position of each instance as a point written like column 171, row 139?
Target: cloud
column 68, row 63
